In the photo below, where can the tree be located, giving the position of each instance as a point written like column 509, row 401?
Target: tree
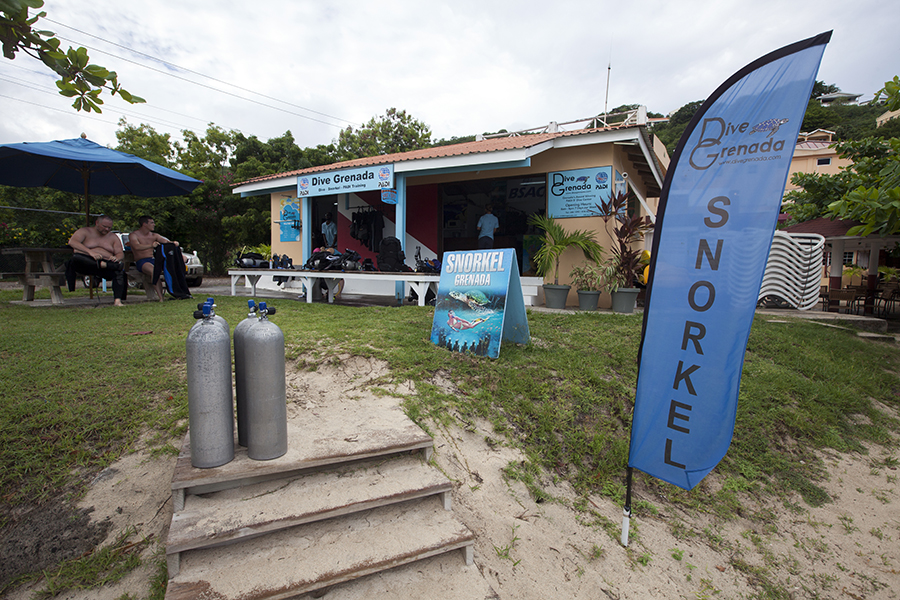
column 670, row 133
column 396, row 131
column 876, row 201
column 820, row 88
column 867, row 191
column 77, row 77
column 144, row 142
column 891, row 92
column 869, row 157
column 254, row 158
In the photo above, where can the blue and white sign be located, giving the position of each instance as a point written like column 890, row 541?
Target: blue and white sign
column 479, row 303
column 346, row 181
column 389, row 196
column 577, row 193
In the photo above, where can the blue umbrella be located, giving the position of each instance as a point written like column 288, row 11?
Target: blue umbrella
column 83, row 166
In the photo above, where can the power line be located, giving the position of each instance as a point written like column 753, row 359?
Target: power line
column 164, row 62
column 106, row 109
column 165, row 110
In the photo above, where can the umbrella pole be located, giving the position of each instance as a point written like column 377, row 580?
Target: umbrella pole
column 85, row 175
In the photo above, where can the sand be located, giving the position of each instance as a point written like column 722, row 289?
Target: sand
column 846, row 549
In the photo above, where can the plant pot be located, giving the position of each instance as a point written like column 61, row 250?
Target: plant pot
column 623, row 300
column 555, row 295
column 588, row 299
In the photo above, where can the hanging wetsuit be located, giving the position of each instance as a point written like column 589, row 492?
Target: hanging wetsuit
column 169, row 262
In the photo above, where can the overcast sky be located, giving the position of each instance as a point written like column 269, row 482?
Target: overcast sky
column 462, row 66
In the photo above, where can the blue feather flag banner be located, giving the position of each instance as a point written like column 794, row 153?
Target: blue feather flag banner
column 716, row 218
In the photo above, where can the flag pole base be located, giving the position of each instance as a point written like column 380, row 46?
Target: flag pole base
column 626, row 522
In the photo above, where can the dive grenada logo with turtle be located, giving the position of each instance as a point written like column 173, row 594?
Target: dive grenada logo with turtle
column 730, row 143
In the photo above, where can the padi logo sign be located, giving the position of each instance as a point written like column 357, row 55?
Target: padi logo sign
column 717, row 143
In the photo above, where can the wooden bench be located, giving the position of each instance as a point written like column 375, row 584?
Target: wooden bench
column 53, row 281
column 418, row 282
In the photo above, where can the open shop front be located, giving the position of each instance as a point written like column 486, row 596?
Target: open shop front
column 432, row 199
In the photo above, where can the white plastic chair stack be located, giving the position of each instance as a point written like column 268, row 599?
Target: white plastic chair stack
column 794, row 269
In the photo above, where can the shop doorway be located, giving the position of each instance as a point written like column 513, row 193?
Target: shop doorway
column 512, row 200
column 322, row 205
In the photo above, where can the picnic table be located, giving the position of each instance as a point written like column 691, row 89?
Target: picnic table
column 39, row 271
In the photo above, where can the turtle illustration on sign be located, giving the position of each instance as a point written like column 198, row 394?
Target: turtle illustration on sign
column 474, row 299
column 770, row 125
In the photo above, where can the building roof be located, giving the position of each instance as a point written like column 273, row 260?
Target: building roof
column 838, row 96
column 825, row 227
column 813, row 145
column 833, row 230
column 496, row 145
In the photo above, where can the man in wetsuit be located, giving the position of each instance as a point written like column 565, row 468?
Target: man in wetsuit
column 143, row 241
column 98, row 251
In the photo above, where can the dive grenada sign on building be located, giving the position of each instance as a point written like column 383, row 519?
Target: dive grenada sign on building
column 479, row 303
column 577, row 193
column 346, row 181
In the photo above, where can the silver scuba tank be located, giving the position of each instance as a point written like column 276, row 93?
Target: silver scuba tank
column 240, row 371
column 210, row 408
column 264, row 374
column 221, row 321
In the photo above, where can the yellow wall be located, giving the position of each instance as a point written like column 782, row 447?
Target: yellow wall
column 806, row 161
column 292, row 249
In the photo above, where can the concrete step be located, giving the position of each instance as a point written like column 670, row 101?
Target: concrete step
column 242, row 513
column 317, row 555
column 320, row 440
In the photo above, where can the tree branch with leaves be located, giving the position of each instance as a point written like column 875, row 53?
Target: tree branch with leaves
column 78, row 78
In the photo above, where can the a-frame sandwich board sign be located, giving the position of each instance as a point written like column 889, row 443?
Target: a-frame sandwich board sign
column 479, row 303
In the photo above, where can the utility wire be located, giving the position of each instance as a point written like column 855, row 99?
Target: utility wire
column 165, row 110
column 156, row 59
column 106, row 108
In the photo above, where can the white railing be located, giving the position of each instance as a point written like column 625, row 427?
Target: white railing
column 638, row 116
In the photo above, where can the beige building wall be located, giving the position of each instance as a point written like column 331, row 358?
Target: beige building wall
column 559, row 159
column 812, row 150
column 292, row 249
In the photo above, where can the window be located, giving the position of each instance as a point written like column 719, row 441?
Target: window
column 823, row 162
column 848, row 258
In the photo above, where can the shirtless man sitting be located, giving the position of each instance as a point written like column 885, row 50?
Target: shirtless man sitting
column 99, row 252
column 143, row 241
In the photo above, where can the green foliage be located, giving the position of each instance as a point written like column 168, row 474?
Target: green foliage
column 873, row 195
column 78, row 78
column 557, row 240
column 144, row 142
column 587, row 277
column 670, row 133
column 622, row 267
column 891, row 92
column 820, row 88
column 864, row 190
column 395, row 131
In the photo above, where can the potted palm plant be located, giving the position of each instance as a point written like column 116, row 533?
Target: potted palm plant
column 623, row 265
column 556, row 241
column 587, row 278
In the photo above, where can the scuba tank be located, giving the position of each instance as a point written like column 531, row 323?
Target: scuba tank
column 210, row 408
column 215, row 318
column 264, row 376
column 240, row 371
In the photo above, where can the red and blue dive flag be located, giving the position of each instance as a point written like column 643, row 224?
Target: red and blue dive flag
column 714, row 226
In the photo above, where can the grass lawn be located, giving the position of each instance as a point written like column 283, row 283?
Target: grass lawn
column 78, row 386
